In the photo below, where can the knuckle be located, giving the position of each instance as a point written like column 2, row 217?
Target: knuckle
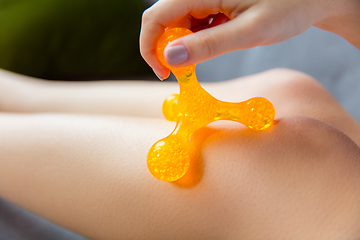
column 143, row 54
column 147, row 15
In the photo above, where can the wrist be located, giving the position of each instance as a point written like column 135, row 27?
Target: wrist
column 342, row 18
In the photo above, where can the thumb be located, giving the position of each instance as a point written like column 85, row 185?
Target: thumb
column 242, row 32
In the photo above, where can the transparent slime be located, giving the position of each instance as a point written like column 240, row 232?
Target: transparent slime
column 169, row 158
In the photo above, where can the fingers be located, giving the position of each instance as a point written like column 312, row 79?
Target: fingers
column 240, row 33
column 166, row 13
column 253, row 23
column 208, row 22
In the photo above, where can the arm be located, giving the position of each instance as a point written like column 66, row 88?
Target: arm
column 344, row 20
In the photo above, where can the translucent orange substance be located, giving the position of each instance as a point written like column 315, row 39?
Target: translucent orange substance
column 169, row 158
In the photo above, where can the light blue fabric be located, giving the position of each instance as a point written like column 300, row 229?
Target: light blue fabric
column 18, row 224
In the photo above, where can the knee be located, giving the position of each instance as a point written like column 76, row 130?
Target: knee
column 299, row 169
column 291, row 138
column 296, row 93
column 296, row 84
column 306, row 134
column 278, row 85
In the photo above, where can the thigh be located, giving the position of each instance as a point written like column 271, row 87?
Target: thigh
column 301, row 176
column 280, row 183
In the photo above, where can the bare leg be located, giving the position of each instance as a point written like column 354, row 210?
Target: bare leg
column 298, row 180
column 30, row 95
column 291, row 92
column 90, row 175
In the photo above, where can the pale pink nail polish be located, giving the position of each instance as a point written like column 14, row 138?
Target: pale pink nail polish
column 176, row 54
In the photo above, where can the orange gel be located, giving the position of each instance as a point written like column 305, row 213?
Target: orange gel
column 169, row 158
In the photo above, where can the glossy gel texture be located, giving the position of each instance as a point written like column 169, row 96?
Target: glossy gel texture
column 169, row 158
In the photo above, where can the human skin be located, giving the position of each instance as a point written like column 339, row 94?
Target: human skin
column 252, row 23
column 83, row 165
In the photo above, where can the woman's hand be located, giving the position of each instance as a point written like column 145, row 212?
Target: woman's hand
column 252, row 23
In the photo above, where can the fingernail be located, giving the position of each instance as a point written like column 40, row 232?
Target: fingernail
column 158, row 75
column 176, row 54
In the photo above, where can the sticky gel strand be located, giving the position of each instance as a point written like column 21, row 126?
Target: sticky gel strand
column 169, row 158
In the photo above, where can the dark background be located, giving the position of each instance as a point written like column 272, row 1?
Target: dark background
column 72, row 39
